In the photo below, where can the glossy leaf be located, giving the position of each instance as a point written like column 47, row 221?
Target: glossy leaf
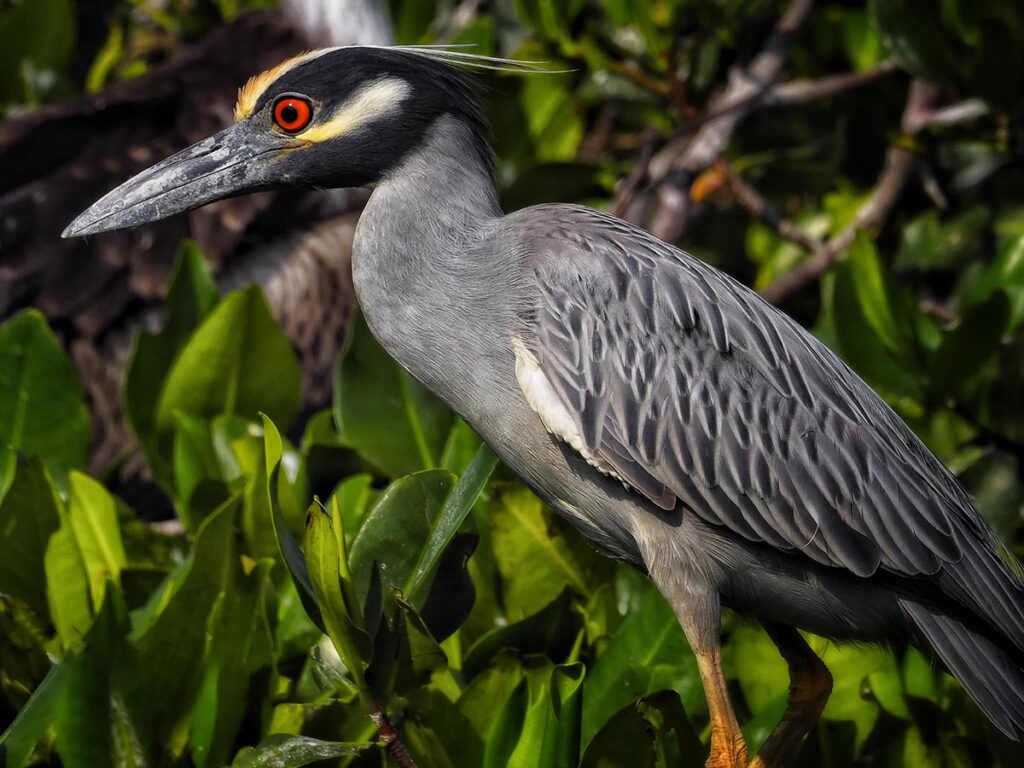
column 291, row 553
column 101, row 719
column 191, row 296
column 539, row 724
column 42, row 412
column 286, row 751
column 327, row 561
column 172, row 641
column 966, row 348
column 33, row 720
column 453, row 513
column 92, row 515
column 537, row 558
column 649, row 653
column 237, row 362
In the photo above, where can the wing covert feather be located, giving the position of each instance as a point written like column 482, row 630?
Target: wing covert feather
column 693, row 388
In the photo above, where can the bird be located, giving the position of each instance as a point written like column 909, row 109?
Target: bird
column 680, row 422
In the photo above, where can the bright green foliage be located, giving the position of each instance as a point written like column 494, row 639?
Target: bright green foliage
column 41, row 408
column 425, row 581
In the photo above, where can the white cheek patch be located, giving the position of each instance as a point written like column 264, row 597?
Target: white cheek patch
column 370, row 102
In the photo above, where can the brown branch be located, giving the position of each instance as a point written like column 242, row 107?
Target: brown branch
column 691, row 155
column 390, row 738
column 899, row 162
column 631, row 184
column 752, row 200
column 802, row 91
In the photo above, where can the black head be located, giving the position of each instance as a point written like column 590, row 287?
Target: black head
column 338, row 117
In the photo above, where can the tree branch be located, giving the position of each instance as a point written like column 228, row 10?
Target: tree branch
column 687, row 156
column 899, row 162
column 390, row 738
column 801, row 91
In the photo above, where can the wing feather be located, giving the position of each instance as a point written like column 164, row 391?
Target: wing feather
column 691, row 387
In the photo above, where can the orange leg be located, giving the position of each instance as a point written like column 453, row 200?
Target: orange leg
column 809, row 688
column 728, row 750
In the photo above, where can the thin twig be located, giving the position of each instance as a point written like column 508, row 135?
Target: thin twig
column 899, row 162
column 390, row 738
column 802, row 91
column 596, row 142
column 692, row 155
column 631, row 184
column 752, row 200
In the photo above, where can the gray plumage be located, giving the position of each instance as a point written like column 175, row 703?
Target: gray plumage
column 680, row 422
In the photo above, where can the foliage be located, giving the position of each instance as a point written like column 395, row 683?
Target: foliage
column 411, row 574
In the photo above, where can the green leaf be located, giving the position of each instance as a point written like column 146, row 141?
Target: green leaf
column 191, row 296
column 171, row 643
column 36, row 38
column 100, row 719
column 42, row 412
column 241, row 645
column 649, row 653
column 291, row 553
column 967, row 347
column 67, row 586
column 390, row 419
column 860, row 343
column 651, row 732
column 285, row 751
column 551, row 631
column 92, row 514
column 29, row 515
column 538, row 726
column 238, row 362
column 913, row 35
column 33, row 720
column 536, row 557
column 329, row 573
column 1005, row 273
column 869, row 284
column 453, row 514
column 852, row 668
column 388, row 545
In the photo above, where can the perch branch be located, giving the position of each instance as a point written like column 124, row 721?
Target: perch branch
column 390, row 738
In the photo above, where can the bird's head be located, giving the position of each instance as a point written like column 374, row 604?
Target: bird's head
column 338, row 117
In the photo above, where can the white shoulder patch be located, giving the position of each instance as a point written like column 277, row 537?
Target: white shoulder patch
column 553, row 414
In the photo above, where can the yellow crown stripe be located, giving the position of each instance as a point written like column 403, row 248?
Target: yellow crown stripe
column 249, row 94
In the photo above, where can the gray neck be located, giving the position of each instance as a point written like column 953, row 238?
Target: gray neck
column 428, row 211
column 417, row 252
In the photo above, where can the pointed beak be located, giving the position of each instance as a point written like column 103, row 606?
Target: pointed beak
column 238, row 159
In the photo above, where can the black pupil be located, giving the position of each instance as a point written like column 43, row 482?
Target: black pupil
column 289, row 114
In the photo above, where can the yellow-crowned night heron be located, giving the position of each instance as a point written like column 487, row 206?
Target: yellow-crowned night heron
column 675, row 418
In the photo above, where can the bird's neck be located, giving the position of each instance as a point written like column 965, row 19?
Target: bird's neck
column 424, row 215
column 419, row 238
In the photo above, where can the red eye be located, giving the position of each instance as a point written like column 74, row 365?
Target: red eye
column 292, row 114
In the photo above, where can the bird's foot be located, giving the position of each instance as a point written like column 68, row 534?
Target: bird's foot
column 728, row 750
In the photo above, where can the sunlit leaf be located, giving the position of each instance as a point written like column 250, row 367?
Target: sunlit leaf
column 285, row 751
column 649, row 653
column 237, row 362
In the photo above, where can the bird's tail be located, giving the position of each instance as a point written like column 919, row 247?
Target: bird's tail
column 991, row 674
